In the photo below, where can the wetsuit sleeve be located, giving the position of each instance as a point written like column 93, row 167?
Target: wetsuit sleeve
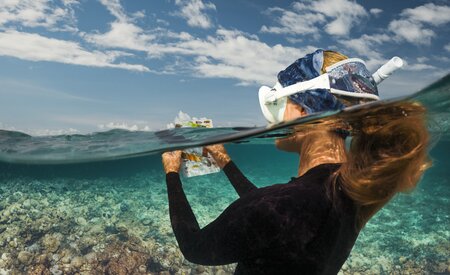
column 240, row 183
column 226, row 240
column 181, row 216
column 250, row 227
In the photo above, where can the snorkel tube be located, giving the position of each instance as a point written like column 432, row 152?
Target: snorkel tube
column 387, row 69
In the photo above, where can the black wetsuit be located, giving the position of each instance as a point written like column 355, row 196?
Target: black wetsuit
column 292, row 228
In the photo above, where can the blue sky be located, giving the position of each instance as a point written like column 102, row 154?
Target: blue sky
column 78, row 66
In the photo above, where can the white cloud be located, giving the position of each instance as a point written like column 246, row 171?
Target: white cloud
column 139, row 14
column 59, row 15
column 35, row 47
column 411, row 31
column 116, row 9
column 418, row 67
column 422, row 59
column 442, row 58
column 70, row 2
column 228, row 54
column 162, row 22
column 447, row 47
column 429, row 13
column 294, row 40
column 411, row 25
column 182, row 118
column 122, row 34
column 375, row 11
column 291, row 22
column 124, row 126
column 339, row 16
column 344, row 13
column 53, row 15
column 194, row 12
column 233, row 54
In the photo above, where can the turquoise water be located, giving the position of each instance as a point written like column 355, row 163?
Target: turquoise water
column 99, row 204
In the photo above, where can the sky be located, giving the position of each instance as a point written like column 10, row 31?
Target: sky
column 81, row 66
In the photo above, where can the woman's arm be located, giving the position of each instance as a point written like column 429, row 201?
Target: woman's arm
column 181, row 216
column 238, row 233
column 179, row 208
column 240, row 183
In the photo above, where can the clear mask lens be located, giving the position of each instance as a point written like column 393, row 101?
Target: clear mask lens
column 352, row 77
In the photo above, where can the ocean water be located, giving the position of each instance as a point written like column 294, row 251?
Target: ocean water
column 97, row 203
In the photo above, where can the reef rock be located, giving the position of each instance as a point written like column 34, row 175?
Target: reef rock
column 77, row 262
column 81, row 221
column 39, row 270
column 51, row 243
column 120, row 259
column 25, row 257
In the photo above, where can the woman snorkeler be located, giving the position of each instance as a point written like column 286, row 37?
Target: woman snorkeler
column 310, row 224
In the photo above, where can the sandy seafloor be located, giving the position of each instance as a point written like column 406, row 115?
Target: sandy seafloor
column 112, row 217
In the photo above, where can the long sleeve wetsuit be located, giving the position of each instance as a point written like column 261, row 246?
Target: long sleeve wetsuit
column 293, row 228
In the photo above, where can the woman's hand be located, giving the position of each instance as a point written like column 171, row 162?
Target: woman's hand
column 171, row 161
column 219, row 154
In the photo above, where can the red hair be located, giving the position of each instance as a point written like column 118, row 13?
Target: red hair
column 388, row 154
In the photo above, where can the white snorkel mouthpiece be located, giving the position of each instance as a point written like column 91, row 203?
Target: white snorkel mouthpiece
column 387, row 69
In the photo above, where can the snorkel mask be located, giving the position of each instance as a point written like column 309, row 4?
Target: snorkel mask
column 343, row 82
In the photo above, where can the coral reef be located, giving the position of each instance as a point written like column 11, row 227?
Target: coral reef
column 67, row 226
